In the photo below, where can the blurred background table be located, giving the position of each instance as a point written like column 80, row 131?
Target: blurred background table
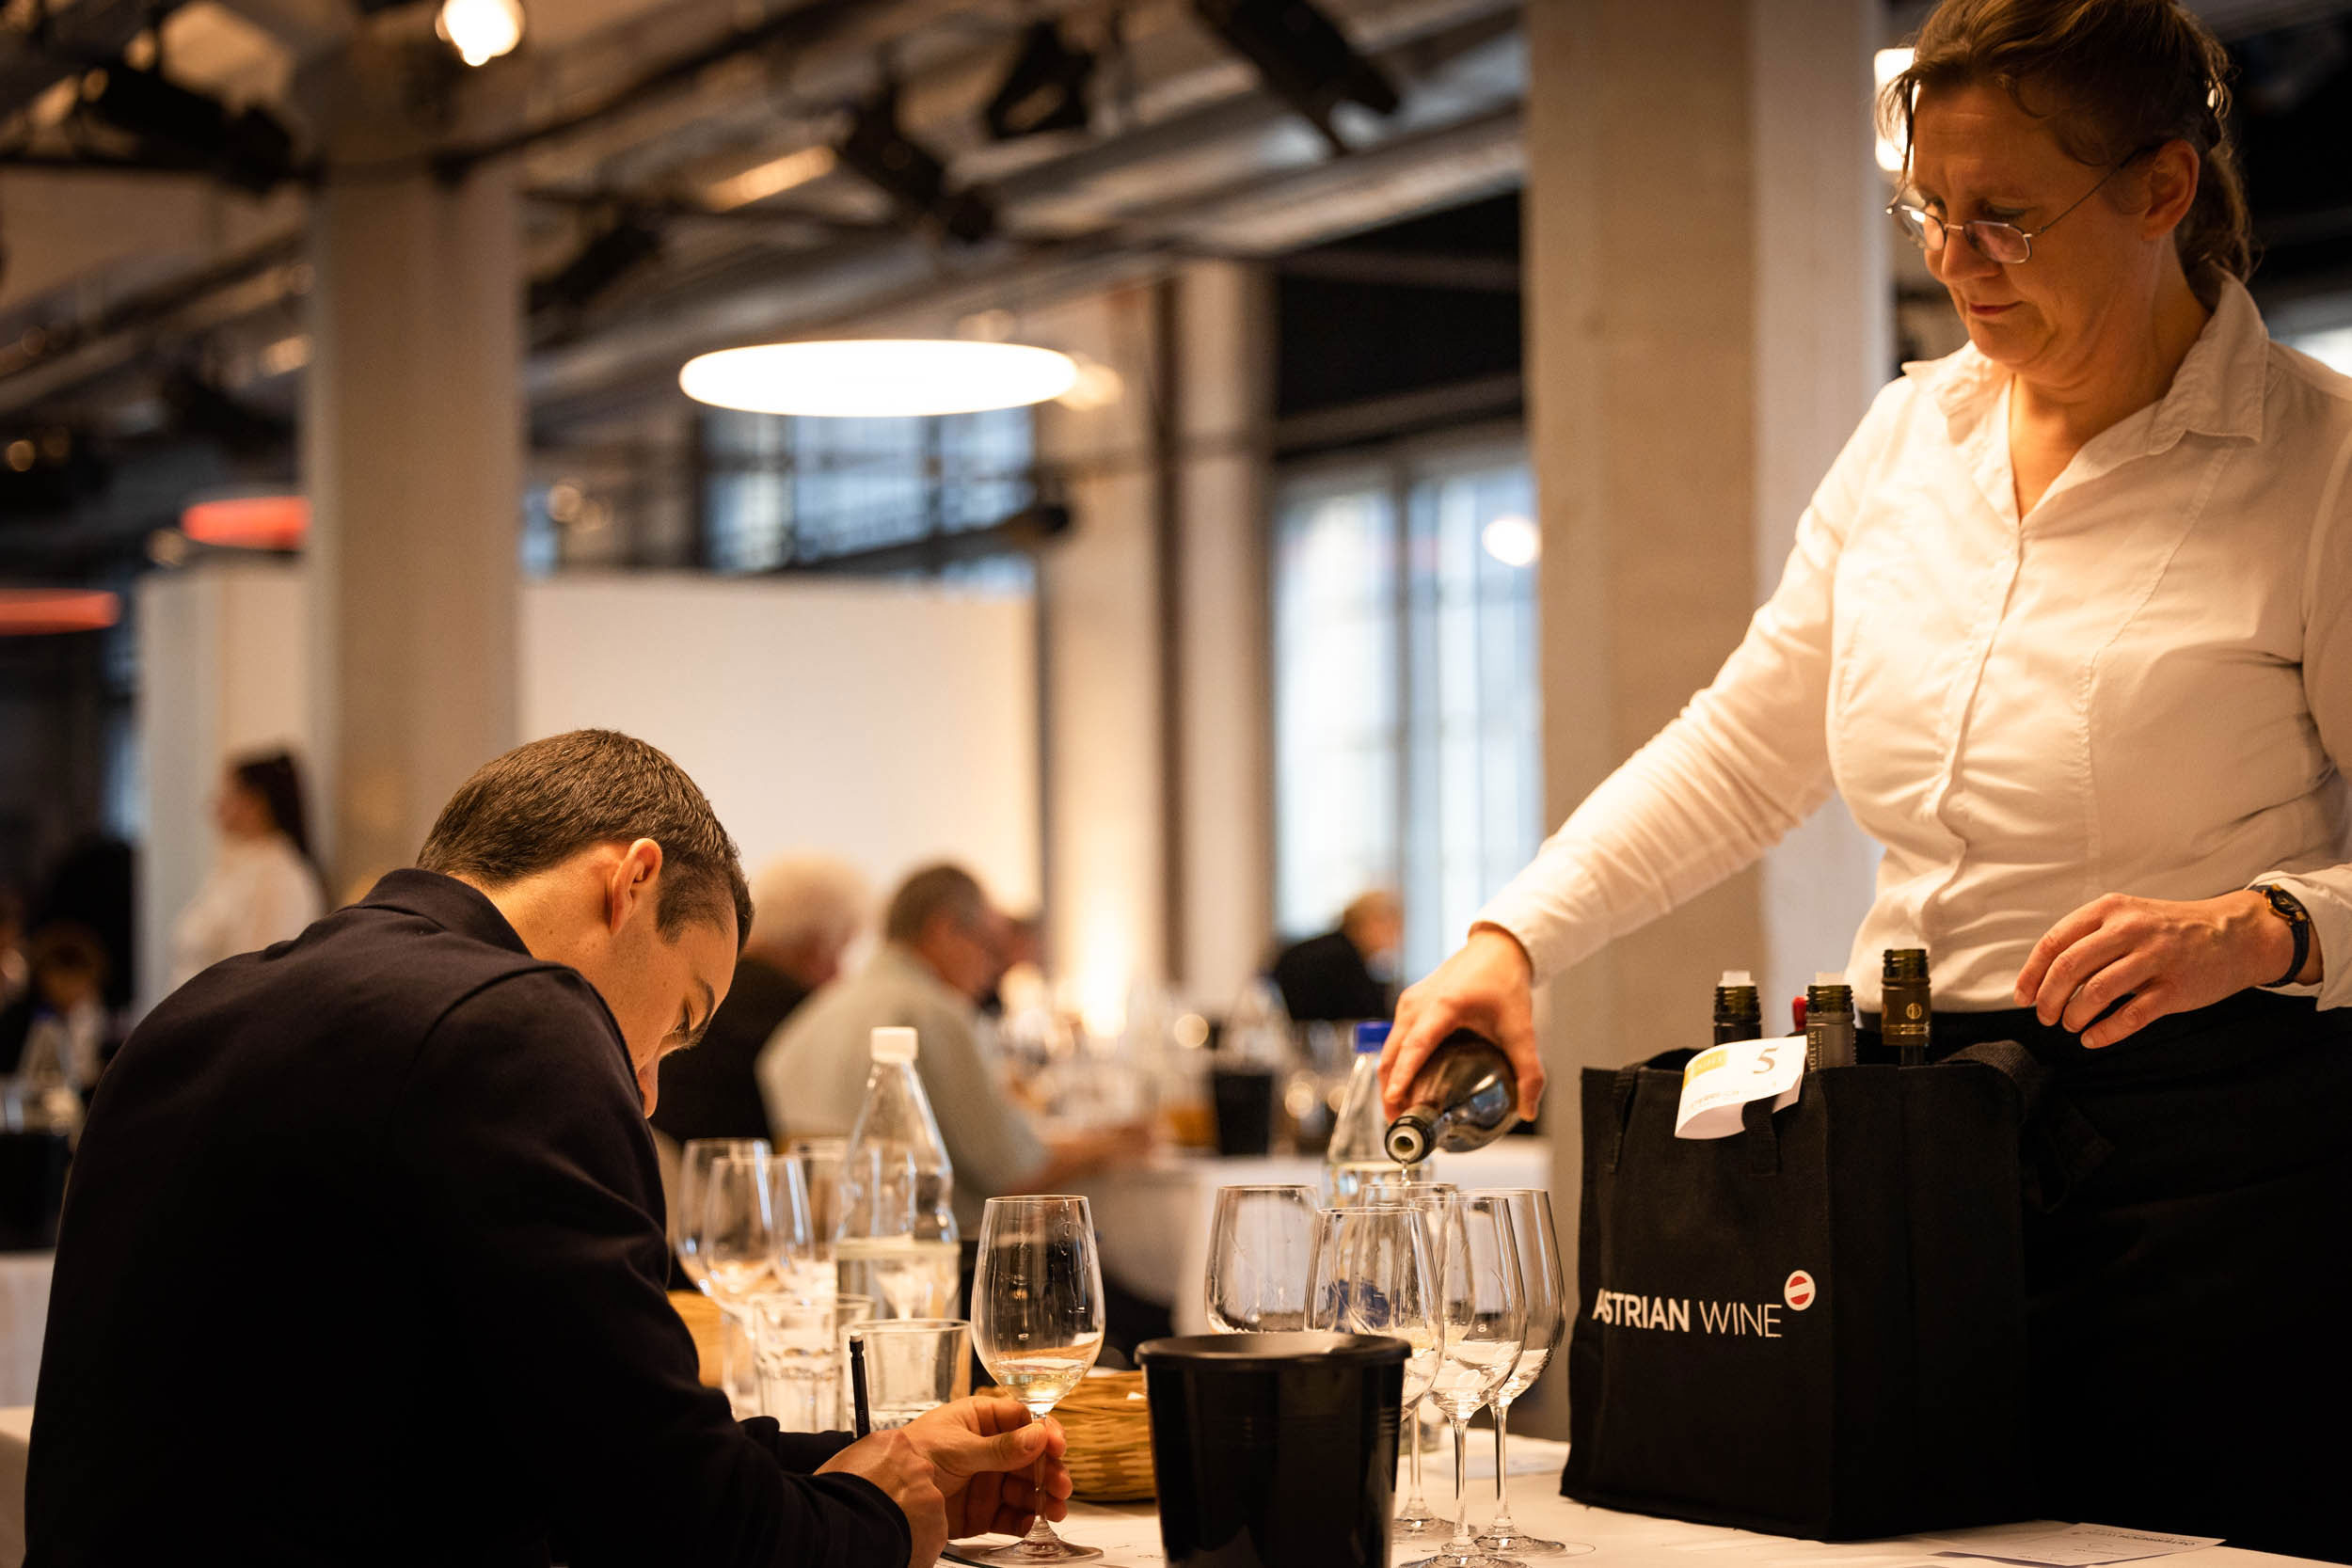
column 1153, row 1219
column 23, row 1316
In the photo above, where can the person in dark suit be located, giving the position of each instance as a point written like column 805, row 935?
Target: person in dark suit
column 811, row 908
column 425, row 1116
column 1331, row 976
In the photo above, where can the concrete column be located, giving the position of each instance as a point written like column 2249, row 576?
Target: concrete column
column 1224, row 879
column 1706, row 303
column 412, row 453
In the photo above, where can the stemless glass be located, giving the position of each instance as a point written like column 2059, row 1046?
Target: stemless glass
column 695, row 1159
column 1037, row 1322
column 914, row 1365
column 1540, row 1282
column 1259, row 1247
column 1486, row 1323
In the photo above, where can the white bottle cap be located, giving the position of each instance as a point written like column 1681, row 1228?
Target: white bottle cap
column 1737, row 977
column 894, row 1043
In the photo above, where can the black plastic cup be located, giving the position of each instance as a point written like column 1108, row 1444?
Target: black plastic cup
column 1245, row 1110
column 1275, row 1450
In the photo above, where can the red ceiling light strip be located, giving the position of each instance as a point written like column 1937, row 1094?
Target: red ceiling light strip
column 37, row 612
column 250, row 522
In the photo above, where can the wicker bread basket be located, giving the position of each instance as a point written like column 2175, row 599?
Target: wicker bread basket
column 1110, row 1437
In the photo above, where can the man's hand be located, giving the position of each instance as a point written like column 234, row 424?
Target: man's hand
column 1487, row 986
column 2167, row 957
column 961, row 1470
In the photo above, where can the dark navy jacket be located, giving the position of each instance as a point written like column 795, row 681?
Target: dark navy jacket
column 360, row 1264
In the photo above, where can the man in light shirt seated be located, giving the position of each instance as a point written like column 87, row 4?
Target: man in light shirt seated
column 941, row 953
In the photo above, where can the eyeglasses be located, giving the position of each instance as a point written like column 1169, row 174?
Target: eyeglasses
column 2004, row 243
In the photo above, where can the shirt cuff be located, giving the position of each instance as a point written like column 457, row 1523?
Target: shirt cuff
column 2326, row 897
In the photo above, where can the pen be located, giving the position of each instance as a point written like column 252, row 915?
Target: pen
column 864, row 1415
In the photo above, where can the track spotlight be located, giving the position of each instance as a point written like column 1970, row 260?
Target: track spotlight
column 248, row 149
column 1304, row 58
column 910, row 175
column 1045, row 90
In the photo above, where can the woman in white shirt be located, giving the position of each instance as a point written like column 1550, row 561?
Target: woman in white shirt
column 2069, row 626
column 262, row 888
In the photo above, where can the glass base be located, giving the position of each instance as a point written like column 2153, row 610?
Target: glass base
column 1465, row 1560
column 1531, row 1546
column 1055, row 1550
column 1410, row 1524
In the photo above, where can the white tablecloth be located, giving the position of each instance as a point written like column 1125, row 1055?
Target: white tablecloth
column 24, row 1317
column 1153, row 1219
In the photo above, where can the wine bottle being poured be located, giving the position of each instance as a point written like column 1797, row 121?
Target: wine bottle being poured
column 1465, row 1096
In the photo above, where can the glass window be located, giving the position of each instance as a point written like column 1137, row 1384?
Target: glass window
column 1406, row 715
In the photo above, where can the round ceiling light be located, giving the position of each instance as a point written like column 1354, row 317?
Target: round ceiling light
column 878, row 377
column 38, row 611
column 248, row 522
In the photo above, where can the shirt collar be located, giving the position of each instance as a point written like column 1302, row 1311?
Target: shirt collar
column 2216, row 391
column 448, row 903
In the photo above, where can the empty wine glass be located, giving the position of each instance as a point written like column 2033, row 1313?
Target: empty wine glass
column 1541, row 1283
column 1485, row 1324
column 1037, row 1322
column 1401, row 1186
column 686, row 1208
column 754, row 1229
column 1376, row 1272
column 1260, row 1247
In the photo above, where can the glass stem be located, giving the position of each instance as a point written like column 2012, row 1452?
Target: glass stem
column 1040, row 1528
column 1412, row 1439
column 1463, row 1540
column 1502, row 1525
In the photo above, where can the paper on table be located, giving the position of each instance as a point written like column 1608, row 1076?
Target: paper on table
column 2064, row 1545
column 1722, row 1079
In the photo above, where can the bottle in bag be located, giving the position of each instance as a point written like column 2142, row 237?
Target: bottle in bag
column 897, row 1239
column 1465, row 1096
column 1739, row 1009
column 1358, row 1149
column 1828, row 1023
column 1905, row 1009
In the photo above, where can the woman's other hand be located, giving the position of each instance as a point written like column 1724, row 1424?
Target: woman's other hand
column 2166, row 956
column 1487, row 986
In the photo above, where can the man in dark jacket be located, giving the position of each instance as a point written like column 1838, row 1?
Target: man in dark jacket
column 424, row 1118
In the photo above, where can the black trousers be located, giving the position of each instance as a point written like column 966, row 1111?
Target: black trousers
column 2191, row 1352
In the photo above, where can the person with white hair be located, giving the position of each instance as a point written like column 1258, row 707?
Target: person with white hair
column 809, row 910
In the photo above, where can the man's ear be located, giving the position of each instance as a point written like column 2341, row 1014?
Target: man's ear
column 632, row 885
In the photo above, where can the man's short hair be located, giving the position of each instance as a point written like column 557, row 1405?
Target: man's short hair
column 811, row 900
column 545, row 802
column 933, row 890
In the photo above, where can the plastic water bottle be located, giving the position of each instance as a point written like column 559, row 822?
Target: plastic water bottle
column 1355, row 1154
column 897, row 1239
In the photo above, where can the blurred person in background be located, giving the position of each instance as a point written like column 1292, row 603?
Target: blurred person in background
column 942, row 951
column 16, row 969
column 61, row 1028
column 812, row 908
column 262, row 887
column 1349, row 973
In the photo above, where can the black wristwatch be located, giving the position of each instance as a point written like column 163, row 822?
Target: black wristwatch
column 2290, row 908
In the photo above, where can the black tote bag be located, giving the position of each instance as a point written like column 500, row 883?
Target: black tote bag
column 1815, row 1326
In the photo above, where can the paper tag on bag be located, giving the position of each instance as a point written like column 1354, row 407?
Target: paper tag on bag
column 1723, row 1079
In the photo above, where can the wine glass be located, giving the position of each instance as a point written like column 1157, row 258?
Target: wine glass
column 1259, row 1247
column 686, row 1211
column 1399, row 1186
column 1484, row 1317
column 1540, row 1282
column 754, row 1229
column 1374, row 1272
column 1037, row 1322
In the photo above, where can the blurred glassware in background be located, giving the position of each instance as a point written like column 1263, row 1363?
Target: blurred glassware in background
column 686, row 1208
column 819, row 1163
column 1262, row 1245
column 755, row 1230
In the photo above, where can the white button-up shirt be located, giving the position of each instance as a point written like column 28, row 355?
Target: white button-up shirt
column 2142, row 687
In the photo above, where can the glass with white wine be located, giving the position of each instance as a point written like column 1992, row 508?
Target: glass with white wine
column 1036, row 1322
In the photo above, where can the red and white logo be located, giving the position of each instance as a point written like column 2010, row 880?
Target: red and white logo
column 1800, row 1290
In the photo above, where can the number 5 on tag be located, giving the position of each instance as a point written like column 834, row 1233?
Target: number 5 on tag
column 1723, row 1079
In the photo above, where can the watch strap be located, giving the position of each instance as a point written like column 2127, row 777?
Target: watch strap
column 2290, row 908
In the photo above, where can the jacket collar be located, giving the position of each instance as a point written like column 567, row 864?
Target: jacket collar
column 2217, row 390
column 448, row 903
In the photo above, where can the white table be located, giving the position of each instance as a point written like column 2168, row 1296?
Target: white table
column 23, row 1317
column 1128, row 1533
column 1153, row 1219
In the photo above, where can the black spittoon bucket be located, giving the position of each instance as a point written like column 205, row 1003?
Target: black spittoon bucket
column 1275, row 1450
